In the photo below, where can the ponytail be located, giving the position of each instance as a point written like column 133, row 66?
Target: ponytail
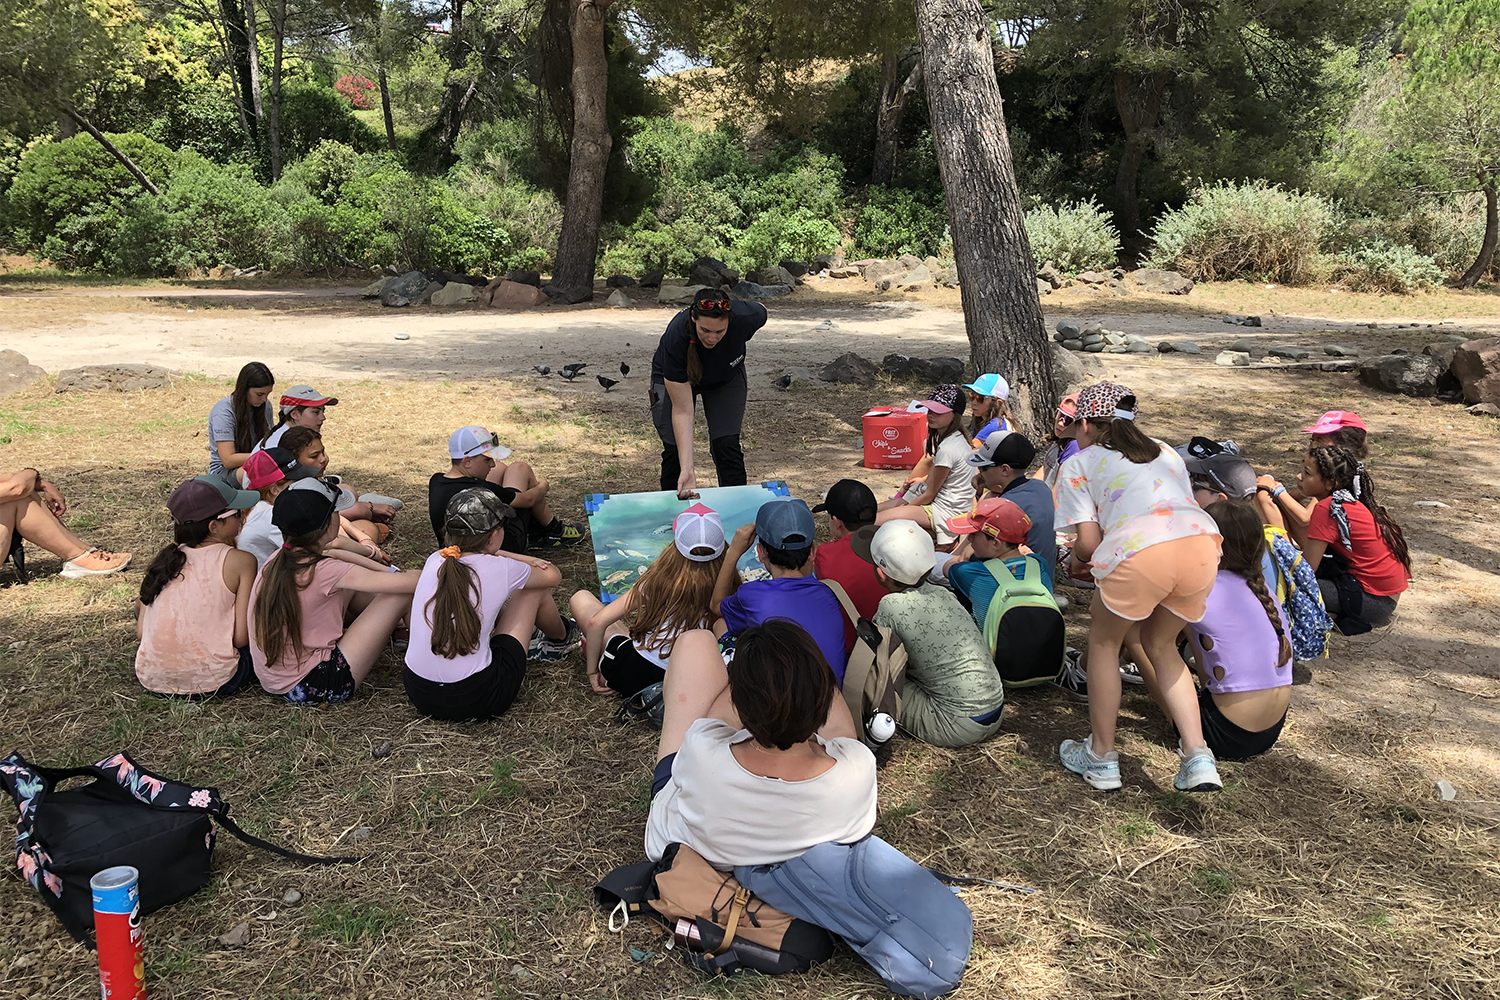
column 1390, row 531
column 694, row 363
column 1243, row 550
column 452, row 611
column 278, row 605
column 1123, row 436
column 167, row 565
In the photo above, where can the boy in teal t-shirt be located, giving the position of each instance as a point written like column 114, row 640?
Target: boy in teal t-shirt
column 1011, row 597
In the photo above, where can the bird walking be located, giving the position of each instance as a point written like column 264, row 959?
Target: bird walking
column 624, row 368
column 541, row 369
column 608, row 383
column 784, row 383
column 570, row 372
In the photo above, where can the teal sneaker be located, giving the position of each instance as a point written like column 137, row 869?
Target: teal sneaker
column 1198, row 772
column 1102, row 773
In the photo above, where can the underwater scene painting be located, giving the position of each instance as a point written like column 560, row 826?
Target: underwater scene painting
column 629, row 530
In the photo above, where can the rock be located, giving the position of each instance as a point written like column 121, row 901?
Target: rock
column 1250, row 321
column 619, row 281
column 1135, row 338
column 291, row 897
column 652, row 279
column 909, row 262
column 716, row 272
column 787, row 278
column 1233, row 359
column 16, row 371
column 1093, row 278
column 237, row 937
column 403, row 336
column 678, row 295
column 1430, row 503
column 1093, row 328
column 1445, row 791
column 121, row 378
column 509, row 294
column 1042, row 288
column 1245, row 346
column 1067, row 369
column 1335, row 351
column 1187, row 347
column 1151, row 279
column 405, row 290
column 1115, row 349
column 1476, row 364
column 1139, row 348
column 532, row 278
column 1092, row 338
column 948, row 277
column 1070, row 328
column 874, row 270
column 794, row 267
column 706, row 276
column 1073, row 345
column 827, row 262
column 751, row 290
column 1408, row 374
column 843, row 272
column 382, row 750
column 1049, row 273
column 918, row 275
column 521, row 972
column 572, row 295
column 1484, row 410
column 1114, row 338
column 374, row 288
column 618, row 299
column 455, row 293
column 429, row 290
column 1290, row 353
column 363, row 833
column 850, row 369
column 933, row 264
column 1094, row 348
column 1443, row 351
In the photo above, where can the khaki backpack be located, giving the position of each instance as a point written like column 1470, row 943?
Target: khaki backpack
column 876, row 673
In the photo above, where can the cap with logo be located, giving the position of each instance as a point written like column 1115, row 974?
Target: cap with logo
column 306, row 395
column 1225, row 473
column 996, row 517
column 942, row 399
column 475, row 511
column 785, row 523
column 272, row 465
column 328, row 486
column 1334, row 421
column 200, row 500
column 851, row 501
column 301, row 511
column 698, row 533
column 473, row 441
column 990, row 384
column 901, row 550
column 1003, row 448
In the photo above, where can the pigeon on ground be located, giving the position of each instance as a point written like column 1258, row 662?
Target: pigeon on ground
column 541, row 369
column 608, row 383
column 570, row 372
column 784, row 383
column 624, row 368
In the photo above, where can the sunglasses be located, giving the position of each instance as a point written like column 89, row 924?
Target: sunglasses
column 713, row 307
column 494, row 439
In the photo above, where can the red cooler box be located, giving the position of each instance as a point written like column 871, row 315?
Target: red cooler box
column 894, row 439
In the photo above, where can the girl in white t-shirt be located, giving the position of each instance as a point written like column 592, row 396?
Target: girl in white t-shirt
column 948, row 490
column 670, row 598
column 758, row 761
column 1153, row 554
column 473, row 615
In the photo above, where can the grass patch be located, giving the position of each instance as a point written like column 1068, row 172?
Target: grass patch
column 1214, row 883
column 349, row 922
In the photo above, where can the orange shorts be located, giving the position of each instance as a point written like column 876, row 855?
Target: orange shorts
column 1176, row 575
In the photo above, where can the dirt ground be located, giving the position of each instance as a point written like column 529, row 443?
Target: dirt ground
column 1326, row 868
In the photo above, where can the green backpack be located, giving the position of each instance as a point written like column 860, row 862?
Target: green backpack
column 1023, row 627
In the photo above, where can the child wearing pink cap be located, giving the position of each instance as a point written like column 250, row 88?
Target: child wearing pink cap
column 1336, row 428
column 671, row 597
column 948, row 490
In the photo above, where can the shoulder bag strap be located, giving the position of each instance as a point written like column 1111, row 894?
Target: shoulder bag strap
column 843, row 596
column 281, row 852
column 736, row 911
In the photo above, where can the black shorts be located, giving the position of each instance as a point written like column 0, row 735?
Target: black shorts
column 328, row 683
column 479, row 696
column 662, row 773
column 1228, row 741
column 244, row 672
column 624, row 668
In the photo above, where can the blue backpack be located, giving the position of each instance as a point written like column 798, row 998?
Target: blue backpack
column 915, row 933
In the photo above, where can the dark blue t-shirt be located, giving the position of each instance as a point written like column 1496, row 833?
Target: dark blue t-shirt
column 722, row 361
column 805, row 600
column 1033, row 496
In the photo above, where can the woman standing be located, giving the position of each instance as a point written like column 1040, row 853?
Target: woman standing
column 241, row 420
column 702, row 353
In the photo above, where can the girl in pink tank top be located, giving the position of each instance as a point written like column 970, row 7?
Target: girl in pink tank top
column 191, row 616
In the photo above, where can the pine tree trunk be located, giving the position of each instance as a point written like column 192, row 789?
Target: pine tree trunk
column 1139, row 116
column 578, row 243
column 997, row 277
column 254, row 60
column 236, row 49
column 112, row 149
column 385, row 109
column 1486, row 256
column 273, row 120
column 889, row 116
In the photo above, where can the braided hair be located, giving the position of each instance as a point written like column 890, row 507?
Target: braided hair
column 1341, row 468
column 1244, row 549
column 695, row 363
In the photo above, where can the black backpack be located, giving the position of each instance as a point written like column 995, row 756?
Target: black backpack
column 125, row 816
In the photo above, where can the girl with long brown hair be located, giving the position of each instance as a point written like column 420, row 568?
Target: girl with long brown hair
column 475, row 611
column 302, row 648
column 241, row 420
column 948, row 489
column 673, row 596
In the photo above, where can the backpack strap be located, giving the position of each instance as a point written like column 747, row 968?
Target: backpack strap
column 844, row 599
column 736, row 911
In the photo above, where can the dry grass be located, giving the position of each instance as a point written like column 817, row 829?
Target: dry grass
column 1324, row 869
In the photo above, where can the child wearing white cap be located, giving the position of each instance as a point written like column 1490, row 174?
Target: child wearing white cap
column 477, row 459
column 670, row 598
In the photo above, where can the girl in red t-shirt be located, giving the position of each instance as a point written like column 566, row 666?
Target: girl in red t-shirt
column 1371, row 565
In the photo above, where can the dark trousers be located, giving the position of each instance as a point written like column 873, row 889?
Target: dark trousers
column 724, row 410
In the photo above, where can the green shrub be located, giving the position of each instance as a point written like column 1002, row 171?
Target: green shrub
column 77, row 177
column 1076, row 236
column 894, row 221
column 311, row 113
column 647, row 245
column 324, row 171
column 806, row 183
column 1385, row 267
column 1255, row 230
column 776, row 236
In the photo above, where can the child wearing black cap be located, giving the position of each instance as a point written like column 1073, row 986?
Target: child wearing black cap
column 1001, row 461
column 302, row 649
column 850, row 505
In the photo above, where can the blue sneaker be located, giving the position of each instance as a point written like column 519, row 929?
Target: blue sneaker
column 1197, row 773
column 1102, row 773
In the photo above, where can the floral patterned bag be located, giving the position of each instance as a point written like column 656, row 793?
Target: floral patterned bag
column 125, row 816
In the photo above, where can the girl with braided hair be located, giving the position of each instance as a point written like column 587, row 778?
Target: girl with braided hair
column 1243, row 654
column 1371, row 565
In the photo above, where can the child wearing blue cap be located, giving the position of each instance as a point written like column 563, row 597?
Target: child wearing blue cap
column 989, row 406
column 783, row 538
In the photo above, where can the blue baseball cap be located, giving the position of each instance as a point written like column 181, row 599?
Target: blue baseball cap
column 990, row 385
column 785, row 523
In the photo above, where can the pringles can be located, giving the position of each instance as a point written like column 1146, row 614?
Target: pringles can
column 117, row 928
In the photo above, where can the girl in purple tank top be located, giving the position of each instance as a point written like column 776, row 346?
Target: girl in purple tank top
column 1243, row 655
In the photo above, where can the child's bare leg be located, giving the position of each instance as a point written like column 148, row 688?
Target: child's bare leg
column 1106, row 632
column 520, row 477
column 1179, row 695
column 365, row 640
column 39, row 526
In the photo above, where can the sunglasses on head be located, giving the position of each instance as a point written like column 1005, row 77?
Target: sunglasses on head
column 492, row 441
column 713, row 307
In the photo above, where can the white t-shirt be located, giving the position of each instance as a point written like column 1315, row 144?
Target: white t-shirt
column 272, row 439
column 956, row 498
column 1136, row 506
column 498, row 577
column 258, row 536
column 732, row 817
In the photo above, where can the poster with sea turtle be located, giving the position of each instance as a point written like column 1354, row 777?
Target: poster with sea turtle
column 629, row 530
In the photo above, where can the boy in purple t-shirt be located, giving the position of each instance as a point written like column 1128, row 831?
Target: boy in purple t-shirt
column 783, row 536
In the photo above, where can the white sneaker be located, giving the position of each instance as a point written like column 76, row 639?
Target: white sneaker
column 95, row 562
column 391, row 502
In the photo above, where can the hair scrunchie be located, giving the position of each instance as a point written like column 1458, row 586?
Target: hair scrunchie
column 451, row 552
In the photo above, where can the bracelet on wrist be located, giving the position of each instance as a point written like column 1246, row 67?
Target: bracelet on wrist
column 1278, row 491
